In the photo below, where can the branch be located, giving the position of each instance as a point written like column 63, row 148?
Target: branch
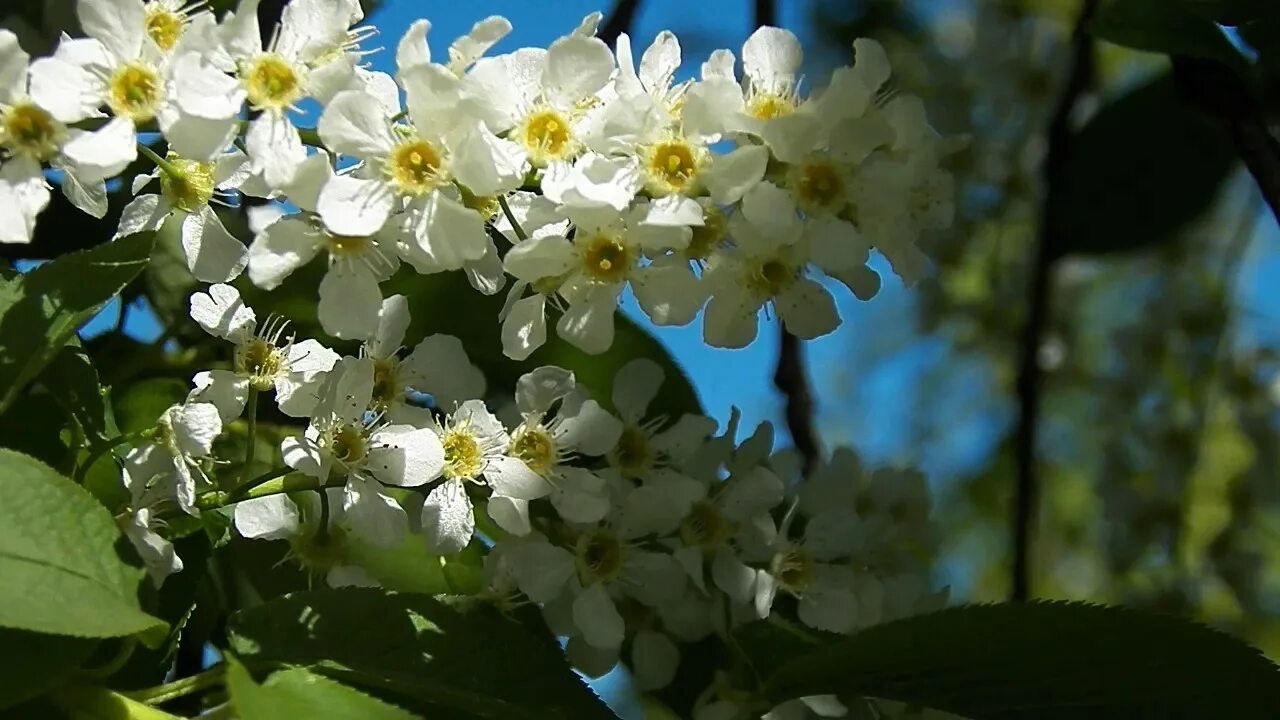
column 791, row 380
column 1219, row 91
column 1060, row 137
column 618, row 21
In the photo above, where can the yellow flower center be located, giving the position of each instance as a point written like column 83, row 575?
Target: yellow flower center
column 672, row 167
column 487, row 205
column 600, row 555
column 165, row 26
column 388, row 388
column 27, row 129
column 190, row 185
column 709, row 235
column 819, row 186
column 415, row 167
column 547, row 136
column 272, row 83
column 769, row 278
column 704, row 527
column 463, row 458
column 347, row 245
column 764, row 105
column 260, row 361
column 536, row 447
column 348, row 444
column 793, row 569
column 605, row 258
column 633, row 456
column 134, row 91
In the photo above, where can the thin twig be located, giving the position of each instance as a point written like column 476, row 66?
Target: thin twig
column 1060, row 136
column 618, row 21
column 792, row 382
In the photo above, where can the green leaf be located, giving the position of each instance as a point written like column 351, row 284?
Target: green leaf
column 420, row 653
column 42, row 310
column 297, row 693
column 139, row 406
column 1165, row 26
column 59, row 560
column 32, row 663
column 73, row 381
column 1141, row 169
column 1042, row 661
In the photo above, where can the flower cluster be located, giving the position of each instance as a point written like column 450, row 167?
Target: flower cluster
column 579, row 174
column 633, row 532
column 571, row 169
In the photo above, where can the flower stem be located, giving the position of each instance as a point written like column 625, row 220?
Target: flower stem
column 242, row 489
column 165, row 166
column 252, row 419
column 96, row 452
column 176, row 689
column 292, row 482
column 511, row 218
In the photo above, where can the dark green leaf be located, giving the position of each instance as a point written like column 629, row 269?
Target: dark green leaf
column 139, row 406
column 34, row 425
column 59, row 558
column 41, row 311
column 422, row 654
column 1042, row 661
column 297, row 693
column 1165, row 26
column 71, row 378
column 32, row 663
column 1140, row 170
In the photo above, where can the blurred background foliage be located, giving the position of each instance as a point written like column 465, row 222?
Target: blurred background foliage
column 1156, row 445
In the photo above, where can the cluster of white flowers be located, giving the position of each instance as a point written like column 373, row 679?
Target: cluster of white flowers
column 570, row 169
column 578, row 174
column 633, row 532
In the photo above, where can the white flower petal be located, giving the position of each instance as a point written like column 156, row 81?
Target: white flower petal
column 302, row 455
column 354, row 124
column 213, row 254
column 577, row 67
column 67, row 90
column 448, row 232
column 538, row 389
column 405, row 456
column 654, row 659
column 510, row 514
column 588, row 322
column 195, row 426
column 580, row 496
column 587, row 428
column 373, row 515
column 509, row 477
column 349, row 302
column 541, row 569
column 354, row 206
column 439, row 365
column 731, row 575
column 771, row 57
column 483, row 35
column 223, row 314
column 393, row 321
column 596, row 616
column 447, row 520
column 730, row 176
column 117, row 24
column 525, row 327
column 286, row 245
column 104, row 152
column 668, row 291
column 275, row 148
column 635, row 386
column 273, row 517
column 807, row 310
column 224, row 388
column 413, row 49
